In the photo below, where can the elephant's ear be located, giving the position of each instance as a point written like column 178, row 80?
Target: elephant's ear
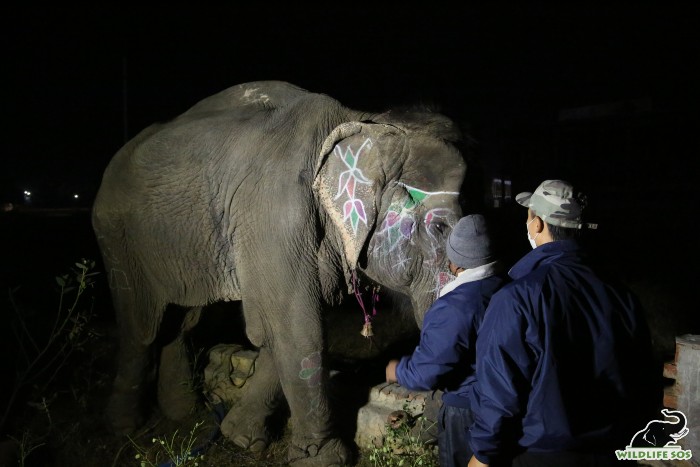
column 349, row 174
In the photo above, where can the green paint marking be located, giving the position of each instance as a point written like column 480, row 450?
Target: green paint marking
column 349, row 158
column 416, row 194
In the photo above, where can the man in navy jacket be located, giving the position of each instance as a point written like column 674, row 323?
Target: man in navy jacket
column 444, row 357
column 565, row 372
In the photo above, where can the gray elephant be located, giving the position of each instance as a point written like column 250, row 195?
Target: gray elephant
column 277, row 197
column 661, row 433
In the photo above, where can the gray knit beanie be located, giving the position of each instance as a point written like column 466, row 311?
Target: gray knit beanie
column 469, row 243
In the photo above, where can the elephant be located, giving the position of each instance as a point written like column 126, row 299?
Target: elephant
column 280, row 199
column 661, row 433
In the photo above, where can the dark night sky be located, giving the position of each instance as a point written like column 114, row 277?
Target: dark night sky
column 78, row 80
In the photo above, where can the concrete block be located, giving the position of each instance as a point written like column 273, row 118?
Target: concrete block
column 231, row 365
column 386, row 398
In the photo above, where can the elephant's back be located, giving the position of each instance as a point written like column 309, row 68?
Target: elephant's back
column 248, row 136
column 230, row 144
column 271, row 130
column 254, row 95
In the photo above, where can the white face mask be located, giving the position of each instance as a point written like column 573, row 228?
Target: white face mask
column 531, row 239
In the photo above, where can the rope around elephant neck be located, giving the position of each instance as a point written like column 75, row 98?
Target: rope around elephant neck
column 367, row 326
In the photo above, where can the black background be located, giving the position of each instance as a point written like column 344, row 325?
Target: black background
column 80, row 81
column 602, row 93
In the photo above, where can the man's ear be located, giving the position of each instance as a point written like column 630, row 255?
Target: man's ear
column 540, row 224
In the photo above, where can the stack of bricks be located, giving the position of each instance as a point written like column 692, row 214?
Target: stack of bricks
column 684, row 393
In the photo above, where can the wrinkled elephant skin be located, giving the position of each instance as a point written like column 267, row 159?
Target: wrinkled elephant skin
column 276, row 197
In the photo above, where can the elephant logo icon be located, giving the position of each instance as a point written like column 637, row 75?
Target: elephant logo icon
column 661, row 433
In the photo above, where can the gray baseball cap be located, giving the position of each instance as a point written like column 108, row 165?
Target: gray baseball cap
column 556, row 202
column 469, row 243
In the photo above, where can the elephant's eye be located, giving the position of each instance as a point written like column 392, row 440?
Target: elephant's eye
column 437, row 228
column 436, row 221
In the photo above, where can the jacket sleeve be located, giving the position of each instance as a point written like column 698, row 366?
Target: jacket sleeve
column 503, row 373
column 438, row 351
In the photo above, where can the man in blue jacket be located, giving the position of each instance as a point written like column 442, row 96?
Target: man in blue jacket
column 565, row 372
column 444, row 357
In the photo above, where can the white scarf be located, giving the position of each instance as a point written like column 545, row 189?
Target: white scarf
column 470, row 275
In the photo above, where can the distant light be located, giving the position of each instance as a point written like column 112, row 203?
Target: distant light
column 507, row 187
column 76, row 196
column 27, row 193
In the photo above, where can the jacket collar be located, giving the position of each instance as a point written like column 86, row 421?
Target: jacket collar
column 471, row 275
column 543, row 254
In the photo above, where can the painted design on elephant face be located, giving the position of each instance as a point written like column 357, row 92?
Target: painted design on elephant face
column 400, row 222
column 443, row 278
column 354, row 208
column 436, row 217
column 311, row 373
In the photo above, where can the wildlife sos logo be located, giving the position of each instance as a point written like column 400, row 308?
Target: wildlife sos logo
column 658, row 439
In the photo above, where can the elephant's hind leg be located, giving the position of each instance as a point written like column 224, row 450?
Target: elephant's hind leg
column 136, row 367
column 125, row 409
column 177, row 392
column 177, row 395
column 246, row 424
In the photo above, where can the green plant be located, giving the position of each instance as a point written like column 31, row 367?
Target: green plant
column 25, row 445
column 404, row 443
column 178, row 450
column 43, row 352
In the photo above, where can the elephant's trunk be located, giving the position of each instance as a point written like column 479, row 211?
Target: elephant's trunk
column 678, row 426
column 423, row 301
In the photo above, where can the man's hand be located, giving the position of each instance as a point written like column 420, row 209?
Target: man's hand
column 391, row 371
column 474, row 462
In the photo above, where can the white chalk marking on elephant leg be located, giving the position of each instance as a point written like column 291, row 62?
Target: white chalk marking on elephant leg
column 311, row 372
column 118, row 279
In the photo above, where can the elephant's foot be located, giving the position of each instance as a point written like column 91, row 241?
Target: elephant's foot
column 251, row 442
column 249, row 435
column 329, row 452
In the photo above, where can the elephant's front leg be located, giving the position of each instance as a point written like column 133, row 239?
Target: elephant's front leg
column 299, row 357
column 304, row 382
column 246, row 424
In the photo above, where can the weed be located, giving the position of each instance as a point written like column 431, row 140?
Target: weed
column 404, row 444
column 43, row 352
column 176, row 450
column 25, row 445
